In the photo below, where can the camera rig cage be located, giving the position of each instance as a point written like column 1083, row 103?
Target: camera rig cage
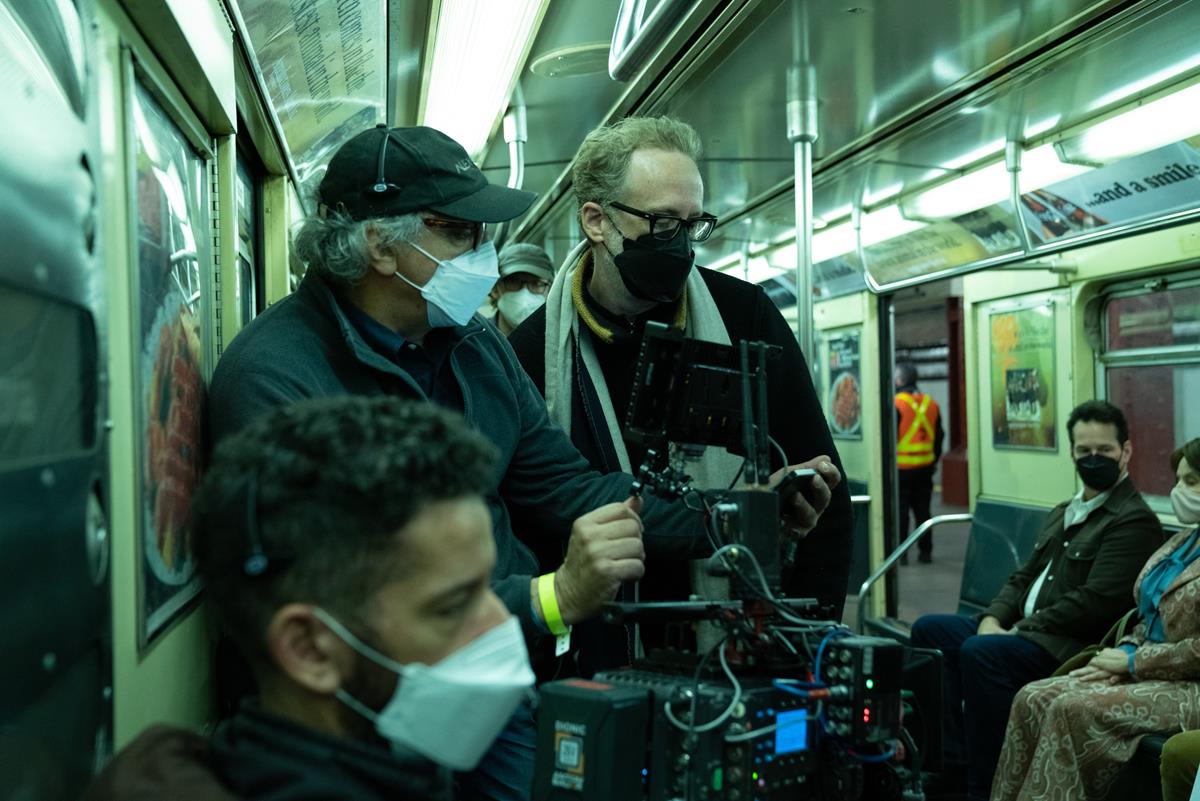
column 785, row 705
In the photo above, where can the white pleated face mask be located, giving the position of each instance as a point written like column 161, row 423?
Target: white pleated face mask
column 1186, row 505
column 450, row 711
column 517, row 306
column 459, row 285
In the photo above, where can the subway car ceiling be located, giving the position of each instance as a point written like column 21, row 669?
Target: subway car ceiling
column 951, row 135
column 155, row 150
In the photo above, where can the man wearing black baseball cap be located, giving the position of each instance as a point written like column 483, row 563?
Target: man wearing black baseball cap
column 398, row 261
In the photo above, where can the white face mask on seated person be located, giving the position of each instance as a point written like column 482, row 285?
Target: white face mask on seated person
column 451, row 711
column 517, row 306
column 1186, row 504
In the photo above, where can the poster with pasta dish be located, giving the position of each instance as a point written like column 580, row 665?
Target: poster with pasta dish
column 171, row 234
column 844, row 403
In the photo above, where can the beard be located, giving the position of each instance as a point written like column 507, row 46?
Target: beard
column 373, row 687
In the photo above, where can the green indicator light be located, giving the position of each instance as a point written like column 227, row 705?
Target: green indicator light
column 870, row 684
column 718, row 779
column 754, row 776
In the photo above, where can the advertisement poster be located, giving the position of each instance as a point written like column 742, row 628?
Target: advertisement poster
column 172, row 227
column 983, row 234
column 1136, row 188
column 841, row 275
column 1022, row 370
column 844, row 402
column 323, row 64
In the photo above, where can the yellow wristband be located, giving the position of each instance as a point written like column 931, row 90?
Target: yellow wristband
column 549, row 603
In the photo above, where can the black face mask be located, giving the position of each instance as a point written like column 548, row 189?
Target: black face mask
column 655, row 269
column 1098, row 472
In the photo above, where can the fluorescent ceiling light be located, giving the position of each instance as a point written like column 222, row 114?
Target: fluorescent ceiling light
column 828, row 217
column 764, row 269
column 1142, row 84
column 880, row 195
column 833, row 242
column 975, row 190
column 479, row 47
column 1158, row 123
column 1042, row 167
column 989, row 185
column 887, row 223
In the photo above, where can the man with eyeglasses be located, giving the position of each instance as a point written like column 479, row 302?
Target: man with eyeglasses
column 641, row 209
column 525, row 276
column 398, row 261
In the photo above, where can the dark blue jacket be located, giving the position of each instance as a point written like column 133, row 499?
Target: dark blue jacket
column 305, row 347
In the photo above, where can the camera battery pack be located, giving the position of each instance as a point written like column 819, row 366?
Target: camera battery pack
column 591, row 742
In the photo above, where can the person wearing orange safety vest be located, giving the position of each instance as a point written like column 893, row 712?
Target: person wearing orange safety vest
column 918, row 447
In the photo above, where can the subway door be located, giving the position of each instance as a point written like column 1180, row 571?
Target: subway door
column 54, row 600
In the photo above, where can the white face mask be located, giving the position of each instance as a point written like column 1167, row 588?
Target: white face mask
column 451, row 711
column 1186, row 505
column 459, row 285
column 517, row 306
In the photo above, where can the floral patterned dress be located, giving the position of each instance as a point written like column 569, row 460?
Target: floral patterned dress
column 1067, row 739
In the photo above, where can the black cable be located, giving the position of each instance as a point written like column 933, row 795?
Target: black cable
column 737, row 477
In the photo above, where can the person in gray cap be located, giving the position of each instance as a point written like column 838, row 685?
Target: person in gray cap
column 398, row 261
column 525, row 275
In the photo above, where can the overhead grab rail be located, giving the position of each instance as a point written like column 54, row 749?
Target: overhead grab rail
column 895, row 555
column 634, row 40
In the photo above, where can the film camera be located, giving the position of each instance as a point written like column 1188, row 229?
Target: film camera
column 785, row 704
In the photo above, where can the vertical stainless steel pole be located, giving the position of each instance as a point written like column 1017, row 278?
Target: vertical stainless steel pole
column 802, row 133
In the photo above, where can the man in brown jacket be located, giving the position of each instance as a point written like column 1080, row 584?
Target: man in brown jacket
column 1075, row 584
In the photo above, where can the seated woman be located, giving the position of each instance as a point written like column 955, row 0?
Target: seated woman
column 1068, row 736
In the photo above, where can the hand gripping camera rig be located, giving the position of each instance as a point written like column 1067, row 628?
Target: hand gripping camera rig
column 783, row 706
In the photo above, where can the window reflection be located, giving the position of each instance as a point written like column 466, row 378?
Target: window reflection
column 1155, row 320
column 1162, row 405
column 47, row 378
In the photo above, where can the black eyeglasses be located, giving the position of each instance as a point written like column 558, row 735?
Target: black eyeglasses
column 666, row 226
column 518, row 281
column 457, row 228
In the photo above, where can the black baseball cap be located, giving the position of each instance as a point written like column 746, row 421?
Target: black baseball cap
column 386, row 172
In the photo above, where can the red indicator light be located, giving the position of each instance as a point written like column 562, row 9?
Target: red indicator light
column 866, row 714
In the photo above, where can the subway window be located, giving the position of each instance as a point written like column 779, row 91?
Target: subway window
column 249, row 245
column 48, row 379
column 1150, row 367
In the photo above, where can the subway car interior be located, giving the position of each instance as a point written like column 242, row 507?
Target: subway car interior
column 1001, row 197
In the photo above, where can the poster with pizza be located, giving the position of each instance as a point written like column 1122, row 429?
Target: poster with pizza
column 171, row 248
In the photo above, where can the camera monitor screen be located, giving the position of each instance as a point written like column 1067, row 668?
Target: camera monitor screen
column 791, row 731
column 688, row 391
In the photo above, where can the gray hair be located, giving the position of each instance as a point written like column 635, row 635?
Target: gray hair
column 336, row 245
column 602, row 163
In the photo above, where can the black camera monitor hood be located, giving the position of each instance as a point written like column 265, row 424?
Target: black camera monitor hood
column 692, row 392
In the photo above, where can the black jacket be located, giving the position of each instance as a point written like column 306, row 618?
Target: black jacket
column 163, row 762
column 1092, row 569
column 305, row 347
column 263, row 758
column 796, row 420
